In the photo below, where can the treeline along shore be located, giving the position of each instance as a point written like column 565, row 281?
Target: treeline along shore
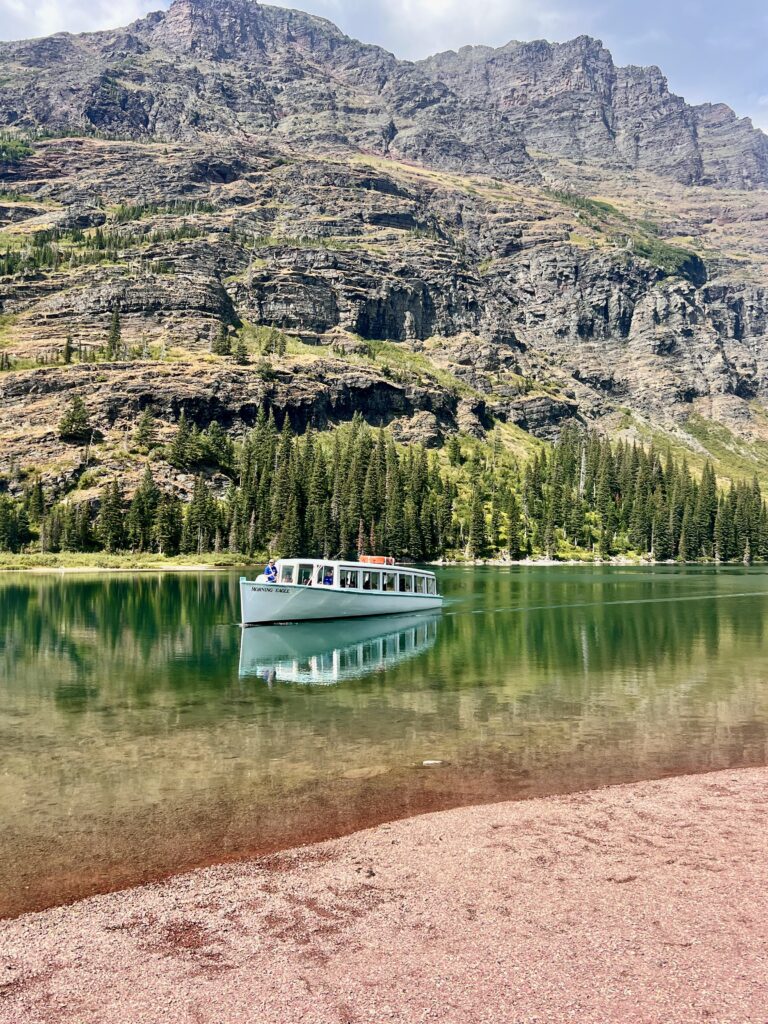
column 354, row 489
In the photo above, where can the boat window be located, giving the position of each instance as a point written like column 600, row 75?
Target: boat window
column 305, row 576
column 286, row 573
column 325, row 575
column 406, row 583
column 389, row 581
column 419, row 582
column 431, row 585
column 371, row 581
column 349, row 579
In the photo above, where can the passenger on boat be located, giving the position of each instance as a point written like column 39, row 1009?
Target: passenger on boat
column 270, row 571
column 328, row 578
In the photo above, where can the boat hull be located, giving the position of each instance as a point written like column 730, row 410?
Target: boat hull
column 279, row 602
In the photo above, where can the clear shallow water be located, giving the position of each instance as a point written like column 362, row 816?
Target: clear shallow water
column 142, row 732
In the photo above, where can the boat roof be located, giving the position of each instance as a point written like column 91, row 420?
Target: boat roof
column 351, row 563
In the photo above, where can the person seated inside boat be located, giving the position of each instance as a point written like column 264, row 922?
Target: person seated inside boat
column 328, row 577
column 270, row 571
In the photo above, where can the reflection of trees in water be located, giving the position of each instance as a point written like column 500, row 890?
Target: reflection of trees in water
column 134, row 715
column 110, row 628
column 553, row 637
column 636, row 622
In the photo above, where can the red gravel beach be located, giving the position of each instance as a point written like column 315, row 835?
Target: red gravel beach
column 639, row 903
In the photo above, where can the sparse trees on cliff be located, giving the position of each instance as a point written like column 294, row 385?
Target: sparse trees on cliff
column 222, row 343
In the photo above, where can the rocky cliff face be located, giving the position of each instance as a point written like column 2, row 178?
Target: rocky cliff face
column 238, row 67
column 571, row 100
column 272, row 174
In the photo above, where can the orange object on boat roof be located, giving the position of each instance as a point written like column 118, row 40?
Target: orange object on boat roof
column 377, row 559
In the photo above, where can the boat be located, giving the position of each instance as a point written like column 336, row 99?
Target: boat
column 313, row 589
column 326, row 653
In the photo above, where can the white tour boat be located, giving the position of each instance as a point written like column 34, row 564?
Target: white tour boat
column 308, row 589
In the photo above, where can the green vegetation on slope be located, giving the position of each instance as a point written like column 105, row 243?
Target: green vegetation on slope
column 13, row 149
column 641, row 237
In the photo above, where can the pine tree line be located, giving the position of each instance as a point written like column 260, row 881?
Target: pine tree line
column 354, row 490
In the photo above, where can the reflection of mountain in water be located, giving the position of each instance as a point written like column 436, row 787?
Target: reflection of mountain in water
column 332, row 652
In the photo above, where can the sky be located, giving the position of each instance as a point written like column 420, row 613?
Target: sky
column 709, row 49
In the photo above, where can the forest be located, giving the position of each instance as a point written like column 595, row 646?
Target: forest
column 354, row 490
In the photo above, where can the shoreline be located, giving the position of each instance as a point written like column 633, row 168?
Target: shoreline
column 638, row 902
column 151, row 567
column 154, row 567
column 75, row 569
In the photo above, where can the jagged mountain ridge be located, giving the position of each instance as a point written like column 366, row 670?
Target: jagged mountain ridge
column 571, row 100
column 240, row 66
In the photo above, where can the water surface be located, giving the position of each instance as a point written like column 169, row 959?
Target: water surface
column 142, row 732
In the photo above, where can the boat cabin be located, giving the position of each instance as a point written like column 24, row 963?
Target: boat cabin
column 380, row 576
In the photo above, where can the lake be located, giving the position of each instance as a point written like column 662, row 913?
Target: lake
column 143, row 732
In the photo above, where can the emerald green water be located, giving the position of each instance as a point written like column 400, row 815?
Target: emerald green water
column 143, row 733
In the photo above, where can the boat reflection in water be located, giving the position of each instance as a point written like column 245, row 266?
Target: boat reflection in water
column 324, row 653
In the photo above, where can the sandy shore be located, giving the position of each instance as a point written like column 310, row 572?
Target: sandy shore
column 642, row 903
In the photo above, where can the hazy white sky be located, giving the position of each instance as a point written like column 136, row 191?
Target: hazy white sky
column 709, row 50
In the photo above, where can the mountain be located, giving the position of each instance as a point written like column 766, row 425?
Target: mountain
column 238, row 67
column 571, row 100
column 487, row 241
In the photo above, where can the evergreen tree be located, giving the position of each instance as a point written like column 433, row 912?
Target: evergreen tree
column 683, row 546
column 34, row 501
column 514, row 525
column 9, row 530
column 178, row 453
column 721, row 533
column 217, row 446
column 290, row 535
column 453, row 449
column 477, row 541
column 114, row 338
column 76, row 528
column 75, row 424
column 167, row 526
column 140, row 521
column 222, row 343
column 412, row 530
column 495, row 537
column 240, row 352
column 145, row 434
column 662, row 537
column 110, row 527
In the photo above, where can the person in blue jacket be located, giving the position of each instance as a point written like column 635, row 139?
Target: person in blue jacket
column 270, row 571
